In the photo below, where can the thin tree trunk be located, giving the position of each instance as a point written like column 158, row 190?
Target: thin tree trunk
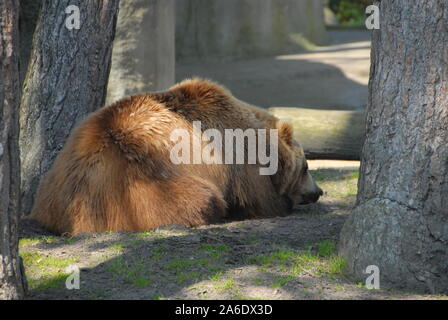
column 12, row 285
column 67, row 79
column 400, row 222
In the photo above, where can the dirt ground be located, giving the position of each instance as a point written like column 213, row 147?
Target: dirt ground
column 293, row 257
column 330, row 77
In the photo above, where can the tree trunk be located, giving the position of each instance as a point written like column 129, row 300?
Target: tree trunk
column 67, row 79
column 326, row 134
column 400, row 222
column 143, row 57
column 29, row 12
column 12, row 285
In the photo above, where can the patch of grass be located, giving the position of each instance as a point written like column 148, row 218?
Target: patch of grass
column 224, row 285
column 141, row 282
column 45, row 272
column 273, row 258
column 135, row 243
column 216, row 276
column 159, row 252
column 326, row 248
column 304, row 262
column 37, row 260
column 281, row 281
column 69, row 240
column 215, row 251
column 181, row 264
column 338, row 266
column 214, row 268
column 130, row 272
column 117, row 248
column 257, row 282
column 185, row 276
column 48, row 281
column 319, row 259
column 337, row 183
column 25, row 242
column 147, row 234
column 49, row 239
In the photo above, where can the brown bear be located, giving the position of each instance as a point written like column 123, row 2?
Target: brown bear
column 116, row 172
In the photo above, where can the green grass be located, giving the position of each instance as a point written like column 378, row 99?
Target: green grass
column 25, row 242
column 37, row 260
column 133, row 273
column 257, row 282
column 216, row 276
column 326, row 248
column 337, row 183
column 117, row 248
column 69, row 240
column 273, row 258
column 215, row 251
column 319, row 259
column 49, row 239
column 159, row 252
column 45, row 272
column 224, row 285
column 48, row 281
column 337, row 265
column 281, row 281
column 141, row 282
column 304, row 262
column 178, row 264
column 185, row 276
column 147, row 234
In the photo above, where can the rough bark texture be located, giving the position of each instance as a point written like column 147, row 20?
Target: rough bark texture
column 67, row 79
column 12, row 285
column 400, row 222
column 143, row 57
column 326, row 134
column 29, row 12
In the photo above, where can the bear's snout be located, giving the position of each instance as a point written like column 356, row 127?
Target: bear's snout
column 312, row 197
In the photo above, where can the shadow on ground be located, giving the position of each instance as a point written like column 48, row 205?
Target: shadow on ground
column 331, row 77
column 290, row 257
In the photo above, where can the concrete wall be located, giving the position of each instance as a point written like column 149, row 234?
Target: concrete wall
column 225, row 29
column 144, row 48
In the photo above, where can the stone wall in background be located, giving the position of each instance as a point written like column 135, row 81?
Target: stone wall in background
column 144, row 48
column 228, row 29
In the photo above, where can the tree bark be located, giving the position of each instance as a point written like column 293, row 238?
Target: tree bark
column 29, row 12
column 12, row 284
column 400, row 222
column 67, row 79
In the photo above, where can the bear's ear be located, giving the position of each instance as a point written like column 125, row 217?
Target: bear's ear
column 285, row 131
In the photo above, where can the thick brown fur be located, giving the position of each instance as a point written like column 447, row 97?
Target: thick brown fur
column 115, row 173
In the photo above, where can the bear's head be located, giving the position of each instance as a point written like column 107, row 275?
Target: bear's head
column 293, row 180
